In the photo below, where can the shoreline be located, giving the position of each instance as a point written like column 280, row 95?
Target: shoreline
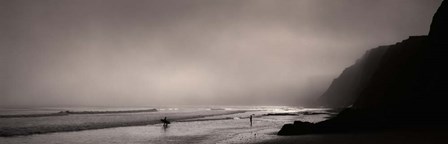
column 48, row 127
column 219, row 131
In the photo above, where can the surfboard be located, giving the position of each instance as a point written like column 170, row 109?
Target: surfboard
column 165, row 121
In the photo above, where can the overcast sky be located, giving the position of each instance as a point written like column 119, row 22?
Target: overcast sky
column 156, row 52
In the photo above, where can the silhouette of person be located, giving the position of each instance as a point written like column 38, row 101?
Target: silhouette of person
column 165, row 122
column 164, row 127
column 250, row 118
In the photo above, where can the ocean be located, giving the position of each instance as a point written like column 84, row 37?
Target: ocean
column 190, row 124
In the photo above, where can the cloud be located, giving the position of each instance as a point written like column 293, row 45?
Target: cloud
column 190, row 52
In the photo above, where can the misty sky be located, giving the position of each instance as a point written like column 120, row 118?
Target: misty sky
column 156, row 52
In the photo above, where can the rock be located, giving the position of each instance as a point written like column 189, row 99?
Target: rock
column 297, row 128
column 439, row 30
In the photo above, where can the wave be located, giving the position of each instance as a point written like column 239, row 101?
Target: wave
column 65, row 113
column 20, row 126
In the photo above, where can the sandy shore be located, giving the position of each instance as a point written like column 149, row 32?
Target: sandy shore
column 219, row 129
column 199, row 127
column 216, row 131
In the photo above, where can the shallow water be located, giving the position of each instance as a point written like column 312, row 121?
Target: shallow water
column 214, row 129
column 182, row 132
column 176, row 108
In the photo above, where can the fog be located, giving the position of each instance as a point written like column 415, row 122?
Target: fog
column 166, row 52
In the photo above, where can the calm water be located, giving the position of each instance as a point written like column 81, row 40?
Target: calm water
column 232, row 128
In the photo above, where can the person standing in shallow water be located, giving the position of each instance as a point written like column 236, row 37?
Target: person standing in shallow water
column 250, row 118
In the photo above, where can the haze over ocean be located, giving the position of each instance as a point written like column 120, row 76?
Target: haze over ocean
column 158, row 52
column 225, row 72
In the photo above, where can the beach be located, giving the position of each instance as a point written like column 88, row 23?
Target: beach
column 204, row 126
column 229, row 125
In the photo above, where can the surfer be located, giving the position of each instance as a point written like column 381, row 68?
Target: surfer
column 165, row 121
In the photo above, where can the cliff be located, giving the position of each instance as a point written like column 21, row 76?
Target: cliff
column 406, row 89
column 344, row 90
column 412, row 77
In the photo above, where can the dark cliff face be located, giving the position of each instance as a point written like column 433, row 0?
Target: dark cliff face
column 439, row 25
column 344, row 90
column 399, row 65
column 435, row 76
column 412, row 77
column 396, row 85
column 407, row 89
column 409, row 76
column 386, row 79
